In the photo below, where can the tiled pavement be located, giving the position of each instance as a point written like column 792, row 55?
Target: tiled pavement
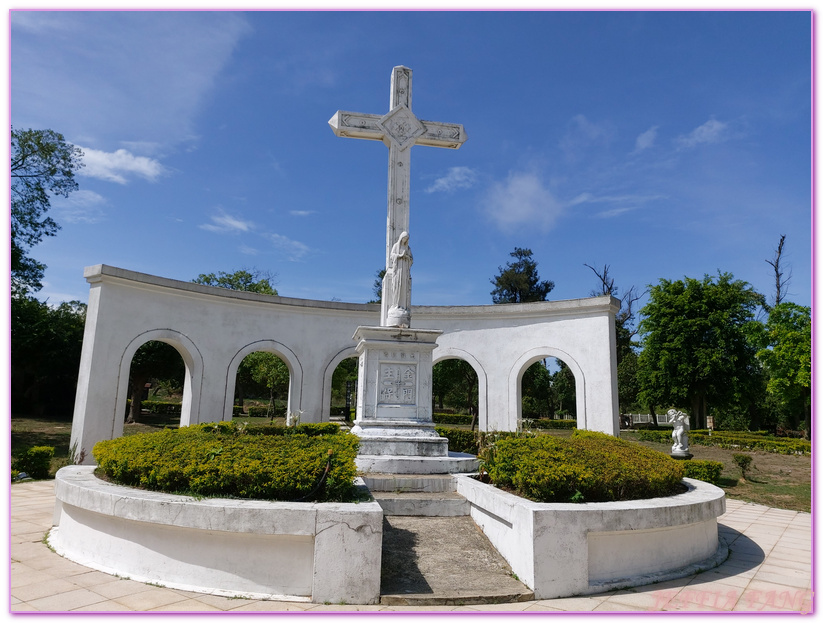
column 769, row 569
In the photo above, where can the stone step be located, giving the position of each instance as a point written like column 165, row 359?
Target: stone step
column 431, row 561
column 421, row 504
column 421, row 483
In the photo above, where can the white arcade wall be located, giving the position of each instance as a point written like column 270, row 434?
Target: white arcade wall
column 213, row 329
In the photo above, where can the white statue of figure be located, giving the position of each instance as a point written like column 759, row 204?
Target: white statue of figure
column 680, row 432
column 399, row 279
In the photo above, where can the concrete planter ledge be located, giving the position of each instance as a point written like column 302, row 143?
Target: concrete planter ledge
column 560, row 550
column 321, row 552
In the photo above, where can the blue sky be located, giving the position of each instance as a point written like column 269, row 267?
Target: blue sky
column 664, row 144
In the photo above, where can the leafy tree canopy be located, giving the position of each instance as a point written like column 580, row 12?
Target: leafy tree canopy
column 787, row 353
column 42, row 164
column 519, row 282
column 697, row 346
column 244, row 280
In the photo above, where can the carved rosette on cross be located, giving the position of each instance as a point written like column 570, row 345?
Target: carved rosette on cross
column 399, row 129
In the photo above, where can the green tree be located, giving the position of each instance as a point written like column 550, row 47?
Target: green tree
column 454, row 384
column 787, row 355
column 42, row 164
column 519, row 282
column 244, row 280
column 696, row 343
column 45, row 351
column 377, row 286
column 153, row 360
column 271, row 371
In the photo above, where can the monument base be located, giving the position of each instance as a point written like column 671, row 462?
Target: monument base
column 394, row 415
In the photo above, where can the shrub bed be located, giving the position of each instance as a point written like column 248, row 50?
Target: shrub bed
column 545, row 423
column 707, row 471
column 735, row 440
column 451, row 418
column 36, row 462
column 225, row 460
column 459, row 440
column 587, row 467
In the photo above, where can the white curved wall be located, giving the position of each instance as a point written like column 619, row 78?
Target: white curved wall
column 214, row 328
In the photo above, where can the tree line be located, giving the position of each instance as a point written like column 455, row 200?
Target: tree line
column 711, row 346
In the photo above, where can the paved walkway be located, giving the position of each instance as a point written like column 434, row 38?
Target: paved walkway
column 769, row 569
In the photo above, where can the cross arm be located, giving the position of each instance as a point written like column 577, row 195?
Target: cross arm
column 356, row 125
column 436, row 134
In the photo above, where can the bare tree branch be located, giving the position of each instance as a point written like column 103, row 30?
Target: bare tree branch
column 781, row 282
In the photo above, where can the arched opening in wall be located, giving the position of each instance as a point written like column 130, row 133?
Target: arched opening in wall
column 548, row 391
column 343, row 399
column 156, row 386
column 455, row 391
column 261, row 388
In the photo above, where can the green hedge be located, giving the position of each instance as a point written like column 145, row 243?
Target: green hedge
column 545, row 423
column 459, row 440
column 735, row 440
column 226, row 460
column 587, row 467
column 264, row 411
column 451, row 418
column 707, row 471
column 36, row 462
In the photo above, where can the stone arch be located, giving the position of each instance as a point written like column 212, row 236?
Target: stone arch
column 328, row 372
column 192, row 385
column 451, row 352
column 295, row 399
column 519, row 368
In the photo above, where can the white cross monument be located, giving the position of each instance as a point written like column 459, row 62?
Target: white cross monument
column 394, row 417
column 400, row 130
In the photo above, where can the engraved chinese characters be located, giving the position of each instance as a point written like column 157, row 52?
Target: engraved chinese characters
column 398, row 384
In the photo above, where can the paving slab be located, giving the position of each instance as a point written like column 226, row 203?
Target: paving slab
column 758, row 576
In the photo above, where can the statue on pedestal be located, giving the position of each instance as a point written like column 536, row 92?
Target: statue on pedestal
column 398, row 278
column 680, row 432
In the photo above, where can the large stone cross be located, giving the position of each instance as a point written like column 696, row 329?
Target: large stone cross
column 399, row 129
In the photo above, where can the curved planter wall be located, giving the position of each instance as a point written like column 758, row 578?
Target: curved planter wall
column 560, row 550
column 322, row 552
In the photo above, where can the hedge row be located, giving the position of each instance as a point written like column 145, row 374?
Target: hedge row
column 163, row 407
column 545, row 423
column 265, row 412
column 451, row 418
column 707, row 471
column 587, row 467
column 226, row 460
column 472, row 442
column 36, row 462
column 735, row 440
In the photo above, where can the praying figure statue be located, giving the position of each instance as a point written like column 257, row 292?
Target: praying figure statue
column 680, row 432
column 398, row 280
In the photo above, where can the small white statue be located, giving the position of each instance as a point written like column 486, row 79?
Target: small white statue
column 398, row 275
column 680, row 432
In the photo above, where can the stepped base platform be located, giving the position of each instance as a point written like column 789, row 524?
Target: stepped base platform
column 454, row 463
column 436, row 561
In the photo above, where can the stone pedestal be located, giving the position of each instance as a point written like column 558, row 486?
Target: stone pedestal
column 394, row 395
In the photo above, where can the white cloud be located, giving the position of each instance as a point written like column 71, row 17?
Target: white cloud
column 104, row 77
column 614, row 212
column 522, row 200
column 713, row 131
column 301, row 212
column 293, row 249
column 645, row 140
column 116, row 166
column 455, row 179
column 581, row 134
column 81, row 206
column 223, row 223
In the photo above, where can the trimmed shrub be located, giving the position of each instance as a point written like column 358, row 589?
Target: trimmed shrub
column 707, row 471
column 227, row 460
column 451, row 418
column 587, row 467
column 545, row 423
column 264, row 411
column 743, row 461
column 459, row 440
column 36, row 462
